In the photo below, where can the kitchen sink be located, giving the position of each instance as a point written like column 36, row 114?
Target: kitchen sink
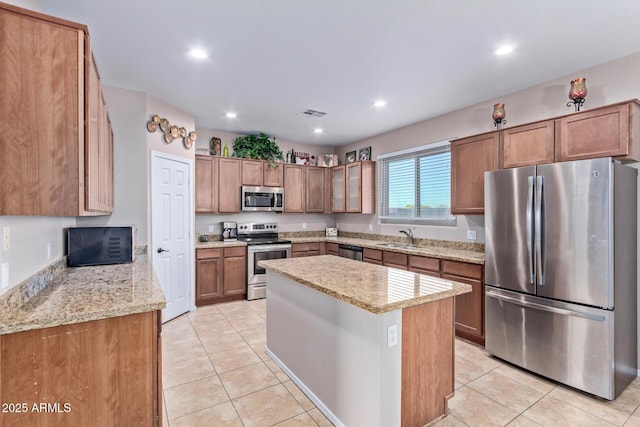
column 397, row 245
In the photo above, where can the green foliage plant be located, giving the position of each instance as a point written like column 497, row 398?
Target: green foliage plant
column 259, row 147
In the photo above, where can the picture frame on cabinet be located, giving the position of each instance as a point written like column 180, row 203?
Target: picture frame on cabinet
column 364, row 153
column 215, row 146
column 350, row 157
column 328, row 160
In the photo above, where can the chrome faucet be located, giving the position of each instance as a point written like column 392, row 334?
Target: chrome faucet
column 409, row 233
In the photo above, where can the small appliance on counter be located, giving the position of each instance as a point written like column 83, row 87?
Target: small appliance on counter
column 100, row 245
column 229, row 231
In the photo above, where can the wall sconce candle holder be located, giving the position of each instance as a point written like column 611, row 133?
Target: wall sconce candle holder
column 499, row 115
column 577, row 93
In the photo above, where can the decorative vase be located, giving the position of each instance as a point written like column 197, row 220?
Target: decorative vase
column 225, row 152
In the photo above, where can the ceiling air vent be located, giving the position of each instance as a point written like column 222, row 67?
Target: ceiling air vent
column 313, row 113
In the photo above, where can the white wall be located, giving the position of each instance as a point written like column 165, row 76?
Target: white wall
column 127, row 110
column 607, row 83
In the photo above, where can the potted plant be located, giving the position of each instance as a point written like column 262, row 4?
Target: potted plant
column 259, row 147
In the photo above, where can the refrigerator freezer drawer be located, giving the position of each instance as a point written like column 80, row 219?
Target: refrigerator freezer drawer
column 568, row 343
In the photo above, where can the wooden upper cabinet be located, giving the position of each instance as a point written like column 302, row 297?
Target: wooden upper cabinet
column 98, row 148
column 294, row 188
column 229, row 183
column 353, row 187
column 260, row 173
column 316, row 180
column 526, row 145
column 337, row 189
column 252, row 172
column 470, row 159
column 273, row 176
column 608, row 131
column 206, row 173
column 45, row 100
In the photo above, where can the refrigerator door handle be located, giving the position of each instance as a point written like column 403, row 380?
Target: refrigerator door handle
column 539, row 232
column 529, row 221
column 556, row 310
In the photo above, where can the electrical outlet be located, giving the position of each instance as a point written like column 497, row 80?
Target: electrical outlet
column 6, row 239
column 392, row 335
column 304, row 225
column 370, row 227
column 211, row 228
column 471, row 234
column 48, row 250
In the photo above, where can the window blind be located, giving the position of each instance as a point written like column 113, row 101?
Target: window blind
column 415, row 185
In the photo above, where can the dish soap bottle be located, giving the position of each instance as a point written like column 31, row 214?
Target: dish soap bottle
column 225, row 152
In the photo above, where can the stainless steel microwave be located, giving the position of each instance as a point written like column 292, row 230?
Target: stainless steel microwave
column 100, row 245
column 270, row 199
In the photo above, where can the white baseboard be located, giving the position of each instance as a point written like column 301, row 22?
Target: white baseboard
column 315, row 399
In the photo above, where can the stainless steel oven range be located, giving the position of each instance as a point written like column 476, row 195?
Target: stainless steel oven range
column 262, row 243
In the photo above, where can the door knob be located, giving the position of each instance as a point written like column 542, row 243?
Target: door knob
column 160, row 250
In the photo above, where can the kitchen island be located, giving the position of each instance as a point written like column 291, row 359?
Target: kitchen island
column 369, row 345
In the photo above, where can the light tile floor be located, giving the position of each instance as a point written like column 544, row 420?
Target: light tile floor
column 215, row 373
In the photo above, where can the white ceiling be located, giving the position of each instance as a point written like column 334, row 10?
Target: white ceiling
column 270, row 60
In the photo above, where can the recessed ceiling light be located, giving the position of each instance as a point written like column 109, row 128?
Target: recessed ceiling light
column 380, row 103
column 197, row 53
column 317, row 130
column 231, row 115
column 503, row 50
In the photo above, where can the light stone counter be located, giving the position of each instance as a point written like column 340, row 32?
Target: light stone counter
column 217, row 244
column 80, row 294
column 374, row 288
column 452, row 252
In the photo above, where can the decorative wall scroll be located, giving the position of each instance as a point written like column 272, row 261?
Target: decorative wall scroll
column 171, row 132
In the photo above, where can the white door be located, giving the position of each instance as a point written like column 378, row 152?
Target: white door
column 171, row 230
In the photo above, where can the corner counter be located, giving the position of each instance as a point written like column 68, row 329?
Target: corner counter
column 369, row 345
column 85, row 346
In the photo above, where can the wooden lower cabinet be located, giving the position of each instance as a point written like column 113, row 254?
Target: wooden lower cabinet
column 221, row 275
column 372, row 256
column 394, row 259
column 469, row 307
column 96, row 373
column 332, row 249
column 424, row 265
column 305, row 249
column 235, row 271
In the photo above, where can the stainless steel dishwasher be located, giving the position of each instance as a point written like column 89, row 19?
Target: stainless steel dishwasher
column 351, row 252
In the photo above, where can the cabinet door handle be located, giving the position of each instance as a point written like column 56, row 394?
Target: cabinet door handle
column 160, row 250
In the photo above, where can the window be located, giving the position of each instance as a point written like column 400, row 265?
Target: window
column 415, row 186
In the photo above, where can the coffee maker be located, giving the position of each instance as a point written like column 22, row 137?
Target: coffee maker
column 229, row 231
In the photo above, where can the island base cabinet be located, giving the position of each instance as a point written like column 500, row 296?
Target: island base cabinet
column 333, row 345
column 97, row 373
column 427, row 361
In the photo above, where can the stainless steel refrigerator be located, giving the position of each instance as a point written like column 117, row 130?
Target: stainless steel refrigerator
column 561, row 272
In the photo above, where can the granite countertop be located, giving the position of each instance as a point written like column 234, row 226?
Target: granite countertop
column 441, row 251
column 371, row 287
column 80, row 294
column 217, row 244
